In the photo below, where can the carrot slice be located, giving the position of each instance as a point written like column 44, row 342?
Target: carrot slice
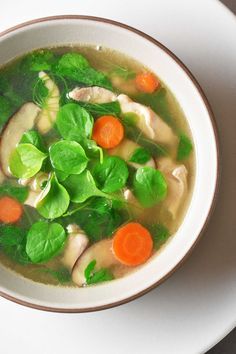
column 108, row 132
column 146, row 82
column 10, row 210
column 132, row 244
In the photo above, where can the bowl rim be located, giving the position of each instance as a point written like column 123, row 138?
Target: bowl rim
column 218, row 160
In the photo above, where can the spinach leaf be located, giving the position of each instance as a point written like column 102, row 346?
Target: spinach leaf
column 12, row 242
column 74, row 122
column 140, row 156
column 111, row 175
column 75, row 67
column 54, row 200
column 185, row 147
column 14, row 191
column 68, row 157
column 160, row 234
column 101, row 109
column 149, row 186
column 101, row 275
column 81, row 187
column 44, row 240
column 159, row 103
column 26, row 160
column 38, row 61
column 33, row 137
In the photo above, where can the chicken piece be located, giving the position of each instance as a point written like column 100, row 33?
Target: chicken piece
column 48, row 114
column 126, row 149
column 149, row 122
column 176, row 177
column 21, row 121
column 77, row 242
column 102, row 253
column 93, row 94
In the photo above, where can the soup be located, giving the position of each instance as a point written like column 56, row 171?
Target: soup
column 97, row 165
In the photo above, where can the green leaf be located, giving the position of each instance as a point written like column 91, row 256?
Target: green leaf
column 149, row 186
column 75, row 67
column 99, row 276
column 81, row 187
column 5, row 110
column 185, row 147
column 101, row 109
column 160, row 234
column 26, row 160
column 54, row 200
column 17, row 192
column 92, row 149
column 33, row 137
column 111, row 175
column 140, row 156
column 99, row 219
column 74, row 122
column 159, row 103
column 44, row 240
column 12, row 242
column 39, row 60
column 68, row 157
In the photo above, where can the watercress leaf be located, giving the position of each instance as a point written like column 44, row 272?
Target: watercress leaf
column 38, row 61
column 18, row 192
column 100, row 276
column 33, row 137
column 12, row 242
column 101, row 109
column 140, row 156
column 72, row 61
column 74, row 122
column 99, row 219
column 185, row 147
column 61, row 176
column 92, row 149
column 26, row 160
column 54, row 200
column 68, row 157
column 149, row 186
column 89, row 269
column 159, row 234
column 111, row 175
column 44, row 240
column 81, row 187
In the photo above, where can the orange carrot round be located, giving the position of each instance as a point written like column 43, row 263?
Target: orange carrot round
column 132, row 244
column 108, row 132
column 146, row 82
column 10, row 210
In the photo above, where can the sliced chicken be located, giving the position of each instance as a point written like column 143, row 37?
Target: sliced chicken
column 176, row 176
column 77, row 242
column 149, row 122
column 48, row 114
column 126, row 149
column 102, row 253
column 93, row 94
column 23, row 120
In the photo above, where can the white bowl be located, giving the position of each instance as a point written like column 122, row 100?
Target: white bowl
column 64, row 30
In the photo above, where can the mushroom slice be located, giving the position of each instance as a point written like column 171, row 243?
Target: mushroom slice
column 101, row 252
column 126, row 149
column 93, row 94
column 32, row 198
column 48, row 114
column 77, row 242
column 149, row 122
column 176, row 176
column 23, row 120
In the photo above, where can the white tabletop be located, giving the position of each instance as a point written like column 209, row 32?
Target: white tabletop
column 196, row 307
